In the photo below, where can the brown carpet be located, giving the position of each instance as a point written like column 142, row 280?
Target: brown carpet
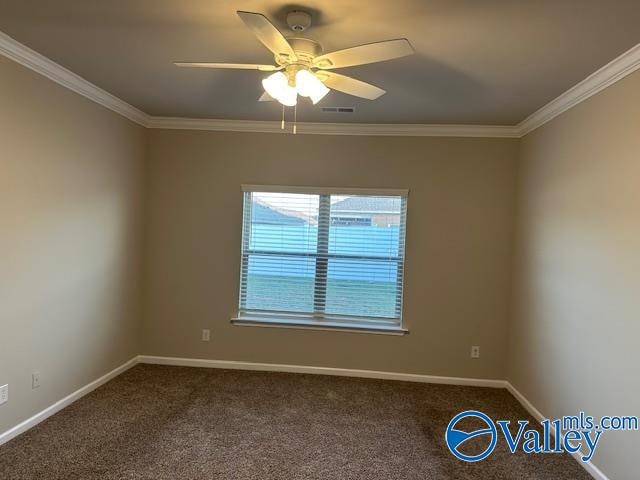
column 158, row 422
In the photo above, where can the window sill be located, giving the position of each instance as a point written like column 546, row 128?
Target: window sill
column 309, row 324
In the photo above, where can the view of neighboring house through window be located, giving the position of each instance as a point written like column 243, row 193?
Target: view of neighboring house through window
column 323, row 257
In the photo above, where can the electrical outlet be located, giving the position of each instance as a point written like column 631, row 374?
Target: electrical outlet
column 475, row 351
column 35, row 380
column 4, row 394
column 206, row 335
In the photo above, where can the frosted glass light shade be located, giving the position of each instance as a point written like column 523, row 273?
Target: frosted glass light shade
column 278, row 87
column 308, row 85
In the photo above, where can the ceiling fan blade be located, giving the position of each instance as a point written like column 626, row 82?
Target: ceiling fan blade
column 349, row 85
column 269, row 35
column 368, row 53
column 239, row 66
column 265, row 97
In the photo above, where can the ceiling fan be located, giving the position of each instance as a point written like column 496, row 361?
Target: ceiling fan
column 302, row 68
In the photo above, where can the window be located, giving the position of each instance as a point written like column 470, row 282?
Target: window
column 322, row 258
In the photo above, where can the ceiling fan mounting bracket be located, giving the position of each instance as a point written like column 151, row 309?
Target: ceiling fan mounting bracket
column 298, row 20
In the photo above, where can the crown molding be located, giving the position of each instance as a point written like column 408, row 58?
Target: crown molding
column 29, row 58
column 33, row 60
column 375, row 129
column 615, row 70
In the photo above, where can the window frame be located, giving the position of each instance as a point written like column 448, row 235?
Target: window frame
column 318, row 319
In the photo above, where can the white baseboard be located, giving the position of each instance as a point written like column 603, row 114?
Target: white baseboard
column 340, row 372
column 66, row 401
column 235, row 365
column 594, row 471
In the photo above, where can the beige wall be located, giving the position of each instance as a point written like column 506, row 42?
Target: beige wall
column 459, row 237
column 576, row 318
column 69, row 240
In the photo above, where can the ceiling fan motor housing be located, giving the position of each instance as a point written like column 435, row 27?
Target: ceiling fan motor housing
column 298, row 20
column 305, row 49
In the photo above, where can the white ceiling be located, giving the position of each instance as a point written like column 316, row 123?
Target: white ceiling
column 478, row 61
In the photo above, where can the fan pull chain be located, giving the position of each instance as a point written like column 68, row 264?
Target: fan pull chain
column 282, row 123
column 295, row 119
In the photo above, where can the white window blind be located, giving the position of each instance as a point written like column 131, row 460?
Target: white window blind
column 326, row 258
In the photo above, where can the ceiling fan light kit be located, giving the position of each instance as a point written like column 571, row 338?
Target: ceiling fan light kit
column 302, row 68
column 296, row 80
